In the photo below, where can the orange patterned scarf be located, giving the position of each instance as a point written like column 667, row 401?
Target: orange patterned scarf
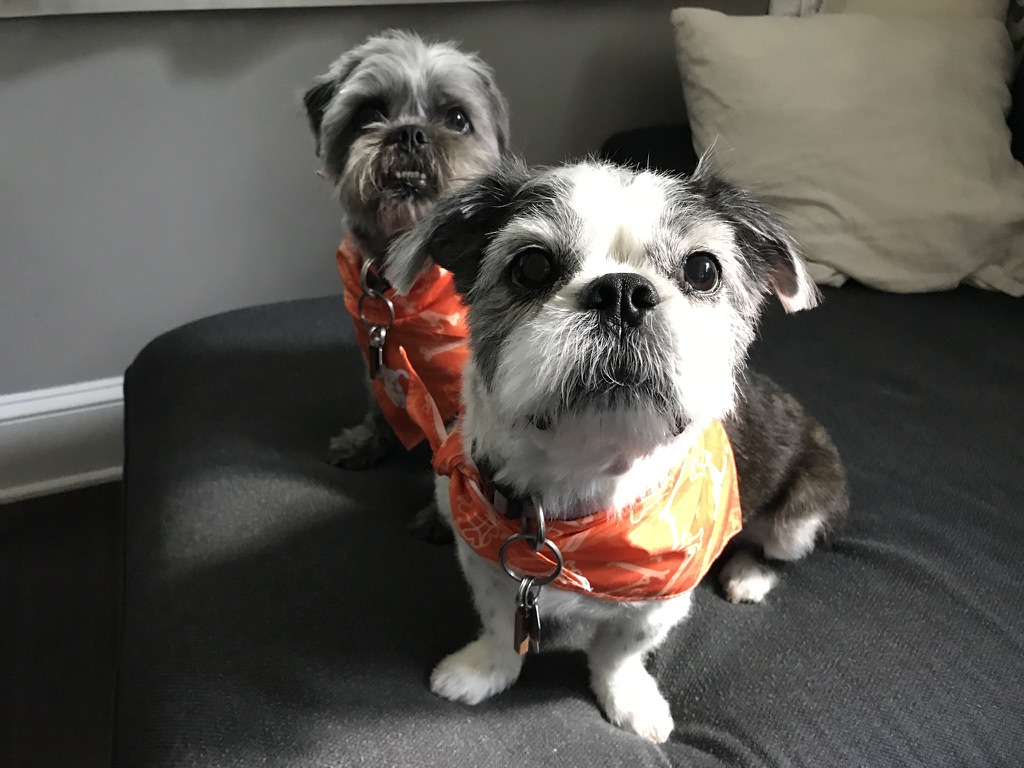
column 658, row 547
column 428, row 341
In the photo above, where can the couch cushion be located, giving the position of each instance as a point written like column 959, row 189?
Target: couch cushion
column 277, row 613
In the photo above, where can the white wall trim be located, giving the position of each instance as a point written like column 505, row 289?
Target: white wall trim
column 60, row 438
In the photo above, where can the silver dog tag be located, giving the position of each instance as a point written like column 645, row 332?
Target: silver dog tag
column 535, row 629
column 375, row 350
column 375, row 359
column 521, row 641
column 527, row 623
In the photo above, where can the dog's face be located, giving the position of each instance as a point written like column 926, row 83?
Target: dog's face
column 399, row 123
column 599, row 295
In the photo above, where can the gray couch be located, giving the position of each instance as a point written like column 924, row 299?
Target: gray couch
column 277, row 613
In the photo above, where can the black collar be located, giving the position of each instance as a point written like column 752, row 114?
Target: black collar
column 512, row 505
column 501, row 497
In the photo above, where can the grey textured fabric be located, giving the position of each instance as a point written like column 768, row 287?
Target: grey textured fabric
column 277, row 613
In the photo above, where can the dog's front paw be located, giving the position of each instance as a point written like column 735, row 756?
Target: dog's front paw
column 745, row 580
column 358, row 447
column 631, row 700
column 477, row 672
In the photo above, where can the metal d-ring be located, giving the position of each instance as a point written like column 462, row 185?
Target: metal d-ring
column 539, row 536
column 529, row 589
column 364, row 276
column 537, row 581
column 377, row 335
column 369, row 292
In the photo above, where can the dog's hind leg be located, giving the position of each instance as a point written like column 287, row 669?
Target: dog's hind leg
column 428, row 525
column 807, row 509
column 365, row 444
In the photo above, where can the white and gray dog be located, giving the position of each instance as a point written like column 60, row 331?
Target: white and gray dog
column 610, row 313
column 399, row 123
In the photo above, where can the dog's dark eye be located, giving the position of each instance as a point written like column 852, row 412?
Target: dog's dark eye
column 533, row 269
column 368, row 113
column 701, row 271
column 456, row 120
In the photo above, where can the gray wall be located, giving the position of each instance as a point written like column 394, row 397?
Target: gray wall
column 155, row 168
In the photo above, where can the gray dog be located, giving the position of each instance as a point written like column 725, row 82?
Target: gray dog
column 399, row 123
column 610, row 312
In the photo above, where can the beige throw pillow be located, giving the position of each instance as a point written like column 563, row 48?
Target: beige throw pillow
column 883, row 141
column 979, row 9
column 1010, row 10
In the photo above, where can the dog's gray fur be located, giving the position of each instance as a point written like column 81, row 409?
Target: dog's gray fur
column 572, row 405
column 400, row 83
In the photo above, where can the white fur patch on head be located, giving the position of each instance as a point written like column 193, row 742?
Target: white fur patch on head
column 620, row 210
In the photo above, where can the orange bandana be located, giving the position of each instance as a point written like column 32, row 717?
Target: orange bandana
column 428, row 341
column 658, row 547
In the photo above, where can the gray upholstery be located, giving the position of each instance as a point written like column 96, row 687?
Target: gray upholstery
column 277, row 613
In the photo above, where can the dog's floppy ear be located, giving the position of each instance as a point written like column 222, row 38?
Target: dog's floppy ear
column 315, row 101
column 497, row 105
column 790, row 279
column 787, row 272
column 765, row 239
column 319, row 96
column 456, row 232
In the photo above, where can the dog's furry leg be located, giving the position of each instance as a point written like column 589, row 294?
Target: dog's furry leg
column 428, row 525
column 795, row 491
column 745, row 579
column 624, row 688
column 363, row 445
column 808, row 509
column 433, row 523
column 489, row 664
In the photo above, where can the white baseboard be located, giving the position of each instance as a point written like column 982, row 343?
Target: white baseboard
column 62, row 438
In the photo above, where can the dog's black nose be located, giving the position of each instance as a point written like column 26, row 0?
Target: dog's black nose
column 621, row 297
column 410, row 138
